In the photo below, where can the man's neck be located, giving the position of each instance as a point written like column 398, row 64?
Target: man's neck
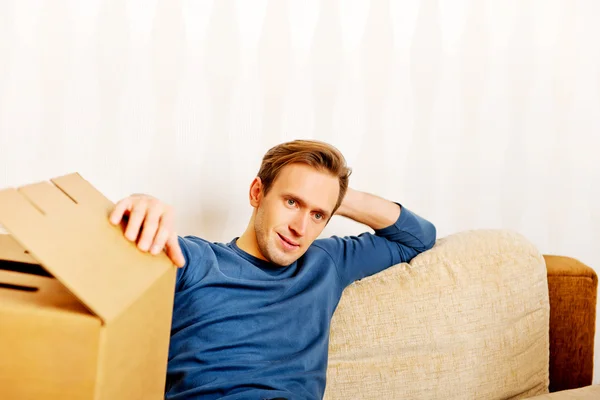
column 248, row 243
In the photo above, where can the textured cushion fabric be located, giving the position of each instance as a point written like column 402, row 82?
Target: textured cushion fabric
column 584, row 393
column 573, row 291
column 467, row 319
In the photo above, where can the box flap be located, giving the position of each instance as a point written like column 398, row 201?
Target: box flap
column 64, row 225
column 11, row 250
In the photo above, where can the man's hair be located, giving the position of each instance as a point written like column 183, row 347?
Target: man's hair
column 319, row 155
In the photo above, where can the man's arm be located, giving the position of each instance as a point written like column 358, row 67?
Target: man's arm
column 368, row 209
column 399, row 236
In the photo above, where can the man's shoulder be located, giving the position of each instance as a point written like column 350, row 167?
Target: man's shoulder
column 339, row 247
column 193, row 240
column 194, row 243
column 334, row 241
column 325, row 246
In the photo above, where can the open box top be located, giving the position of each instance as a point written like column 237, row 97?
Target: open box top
column 63, row 226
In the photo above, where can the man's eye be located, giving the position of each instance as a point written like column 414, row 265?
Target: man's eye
column 291, row 202
column 318, row 216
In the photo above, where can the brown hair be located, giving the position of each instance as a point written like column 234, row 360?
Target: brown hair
column 319, row 155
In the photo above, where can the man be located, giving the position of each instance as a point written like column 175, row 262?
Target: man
column 251, row 317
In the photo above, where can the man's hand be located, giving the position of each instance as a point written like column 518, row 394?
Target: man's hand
column 156, row 221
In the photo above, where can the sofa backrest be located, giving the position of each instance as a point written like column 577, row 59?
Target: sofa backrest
column 467, row 319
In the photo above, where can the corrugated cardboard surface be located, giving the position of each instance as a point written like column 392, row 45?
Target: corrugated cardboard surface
column 70, row 235
column 97, row 325
column 47, row 352
column 130, row 344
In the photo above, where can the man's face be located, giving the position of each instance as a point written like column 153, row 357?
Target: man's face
column 294, row 212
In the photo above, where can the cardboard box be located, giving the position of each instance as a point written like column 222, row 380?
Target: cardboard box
column 84, row 314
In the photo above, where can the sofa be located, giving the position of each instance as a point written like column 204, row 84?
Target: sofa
column 482, row 315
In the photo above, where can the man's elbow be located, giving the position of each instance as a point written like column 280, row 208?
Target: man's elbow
column 430, row 235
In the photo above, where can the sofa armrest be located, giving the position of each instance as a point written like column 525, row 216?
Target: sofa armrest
column 572, row 288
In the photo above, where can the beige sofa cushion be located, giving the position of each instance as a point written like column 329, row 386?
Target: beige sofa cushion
column 585, row 393
column 467, row 319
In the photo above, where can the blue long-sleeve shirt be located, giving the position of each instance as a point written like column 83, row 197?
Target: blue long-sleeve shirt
column 246, row 329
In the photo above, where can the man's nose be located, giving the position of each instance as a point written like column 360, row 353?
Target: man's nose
column 299, row 224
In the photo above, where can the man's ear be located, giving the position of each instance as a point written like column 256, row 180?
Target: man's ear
column 256, row 192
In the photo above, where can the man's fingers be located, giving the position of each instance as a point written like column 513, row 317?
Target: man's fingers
column 135, row 221
column 161, row 239
column 150, row 227
column 117, row 213
column 174, row 251
column 154, row 219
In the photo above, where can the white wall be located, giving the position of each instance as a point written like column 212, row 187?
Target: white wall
column 475, row 114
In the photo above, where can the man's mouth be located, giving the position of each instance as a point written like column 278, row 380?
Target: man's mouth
column 290, row 244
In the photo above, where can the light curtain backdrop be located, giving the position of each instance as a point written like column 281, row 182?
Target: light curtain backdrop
column 475, row 114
